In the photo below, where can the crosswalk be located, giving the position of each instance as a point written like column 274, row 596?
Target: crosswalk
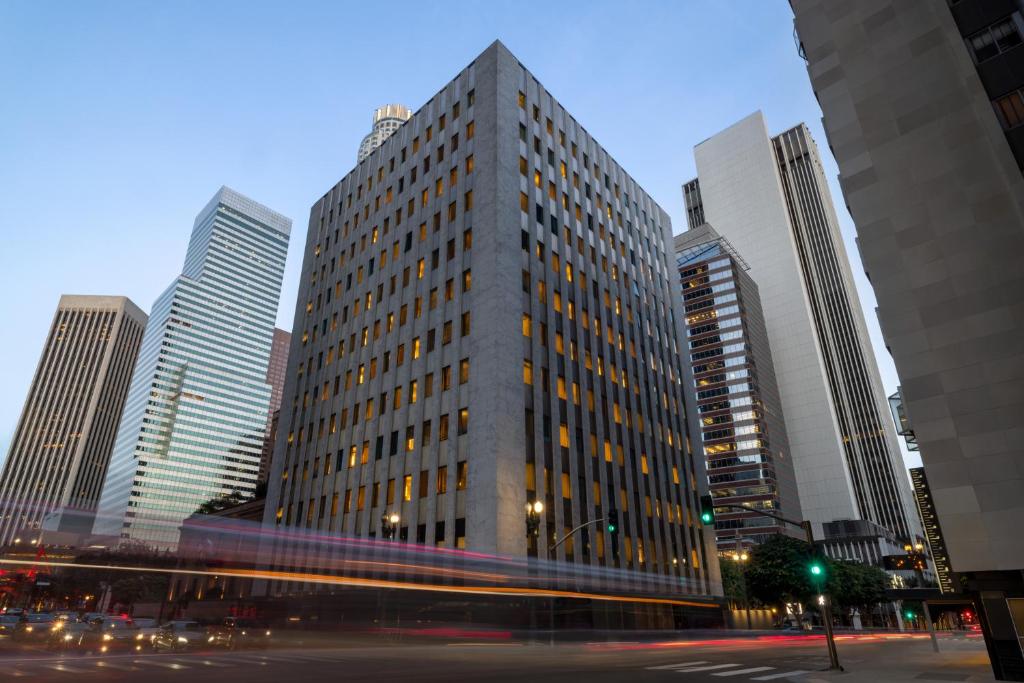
column 79, row 667
column 731, row 670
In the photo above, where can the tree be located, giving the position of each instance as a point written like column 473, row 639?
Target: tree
column 777, row 571
column 221, row 503
column 732, row 580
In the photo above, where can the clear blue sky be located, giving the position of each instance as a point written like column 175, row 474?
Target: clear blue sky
column 119, row 120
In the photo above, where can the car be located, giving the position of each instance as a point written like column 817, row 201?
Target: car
column 117, row 632
column 8, row 622
column 238, row 632
column 34, row 627
column 147, row 630
column 178, row 636
column 75, row 636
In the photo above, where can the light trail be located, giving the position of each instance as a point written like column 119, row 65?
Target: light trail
column 300, row 577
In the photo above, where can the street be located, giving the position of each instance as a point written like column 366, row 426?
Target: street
column 874, row 658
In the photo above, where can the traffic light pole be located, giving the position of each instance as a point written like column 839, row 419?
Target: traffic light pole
column 559, row 542
column 833, row 654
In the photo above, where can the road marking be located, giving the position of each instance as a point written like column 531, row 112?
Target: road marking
column 752, row 670
column 166, row 665
column 772, row 677
column 66, row 669
column 208, row 662
column 111, row 665
column 673, row 666
column 694, row 669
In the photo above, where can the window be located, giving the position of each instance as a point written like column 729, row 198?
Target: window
column 467, row 280
column 522, row 100
column 410, row 439
column 461, row 473
column 407, row 487
column 527, row 325
column 424, row 480
column 996, row 39
column 563, row 436
column 1010, row 109
column 463, row 420
column 469, row 164
column 442, row 480
column 463, row 371
column 527, row 372
column 470, row 129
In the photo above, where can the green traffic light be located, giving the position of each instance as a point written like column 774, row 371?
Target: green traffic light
column 910, row 615
column 612, row 528
column 705, row 517
column 817, row 570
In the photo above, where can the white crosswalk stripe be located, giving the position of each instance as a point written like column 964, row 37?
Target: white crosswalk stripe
column 773, row 677
column 713, row 667
column 64, row 668
column 666, row 667
column 159, row 662
column 740, row 672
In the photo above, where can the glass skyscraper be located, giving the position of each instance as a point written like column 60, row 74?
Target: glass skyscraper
column 196, row 414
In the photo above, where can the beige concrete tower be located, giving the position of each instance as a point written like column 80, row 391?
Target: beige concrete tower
column 61, row 448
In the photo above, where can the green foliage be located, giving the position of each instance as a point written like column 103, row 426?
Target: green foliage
column 852, row 584
column 221, row 503
column 732, row 580
column 777, row 571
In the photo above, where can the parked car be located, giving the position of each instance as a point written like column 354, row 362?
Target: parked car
column 34, row 627
column 147, row 630
column 178, row 636
column 238, row 632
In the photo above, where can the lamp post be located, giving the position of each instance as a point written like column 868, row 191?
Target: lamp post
column 389, row 525
column 741, row 557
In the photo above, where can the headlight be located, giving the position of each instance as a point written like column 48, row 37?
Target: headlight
column 29, row 629
column 103, row 648
column 58, row 625
column 210, row 639
column 243, row 633
column 139, row 636
column 182, row 640
column 268, row 633
column 107, row 636
column 67, row 636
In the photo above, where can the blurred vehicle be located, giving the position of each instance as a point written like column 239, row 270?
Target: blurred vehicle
column 147, row 630
column 178, row 636
column 8, row 622
column 237, row 632
column 75, row 636
column 33, row 627
column 66, row 615
column 116, row 632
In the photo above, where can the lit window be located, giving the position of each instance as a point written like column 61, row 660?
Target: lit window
column 407, row 487
column 527, row 372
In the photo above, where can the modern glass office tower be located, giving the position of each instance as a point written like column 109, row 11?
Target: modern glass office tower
column 489, row 317
column 930, row 156
column 62, row 445
column 768, row 196
column 196, row 414
column 739, row 413
column 276, row 371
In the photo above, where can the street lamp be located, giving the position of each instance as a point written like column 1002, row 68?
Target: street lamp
column 533, row 511
column 389, row 525
column 741, row 558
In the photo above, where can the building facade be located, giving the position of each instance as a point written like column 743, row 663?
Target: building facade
column 488, row 318
column 61, row 448
column 933, row 531
column 277, row 368
column 844, row 448
column 928, row 163
column 196, row 415
column 740, row 421
column 386, row 120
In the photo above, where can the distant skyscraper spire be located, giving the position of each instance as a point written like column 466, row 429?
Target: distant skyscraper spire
column 386, row 121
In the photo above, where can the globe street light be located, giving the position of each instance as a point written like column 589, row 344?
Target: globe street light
column 389, row 525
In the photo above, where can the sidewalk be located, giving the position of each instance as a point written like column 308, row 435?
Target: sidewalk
column 959, row 660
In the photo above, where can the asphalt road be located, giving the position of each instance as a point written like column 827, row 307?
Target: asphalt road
column 772, row 658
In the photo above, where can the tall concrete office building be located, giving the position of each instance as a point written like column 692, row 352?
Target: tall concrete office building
column 386, row 121
column 739, row 413
column 196, row 414
column 276, row 369
column 489, row 317
column 61, row 447
column 918, row 107
column 768, row 196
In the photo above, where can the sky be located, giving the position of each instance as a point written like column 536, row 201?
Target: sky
column 119, row 120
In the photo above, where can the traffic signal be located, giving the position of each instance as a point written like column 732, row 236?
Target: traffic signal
column 707, row 510
column 612, row 522
column 909, row 615
column 817, row 569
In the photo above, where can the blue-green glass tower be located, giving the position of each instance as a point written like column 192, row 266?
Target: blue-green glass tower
column 194, row 421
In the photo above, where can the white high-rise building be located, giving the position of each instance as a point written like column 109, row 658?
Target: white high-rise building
column 196, row 415
column 386, row 121
column 769, row 197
